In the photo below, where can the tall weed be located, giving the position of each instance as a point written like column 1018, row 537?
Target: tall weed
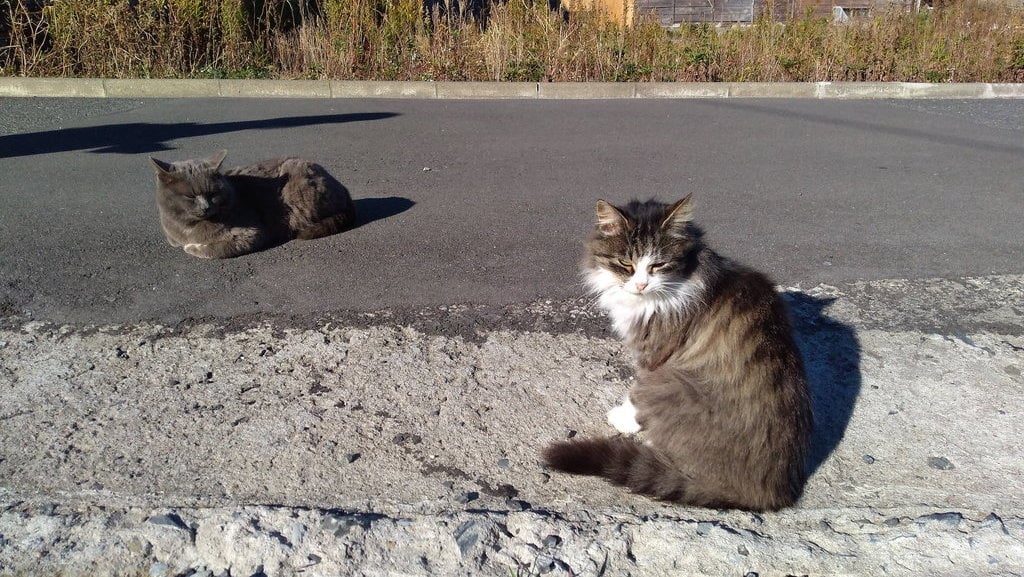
column 512, row 40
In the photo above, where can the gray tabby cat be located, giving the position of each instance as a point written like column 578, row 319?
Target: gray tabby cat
column 720, row 397
column 222, row 214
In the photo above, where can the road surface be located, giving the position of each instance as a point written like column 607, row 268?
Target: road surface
column 373, row 402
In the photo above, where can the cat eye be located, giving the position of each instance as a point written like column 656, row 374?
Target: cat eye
column 658, row 266
column 626, row 263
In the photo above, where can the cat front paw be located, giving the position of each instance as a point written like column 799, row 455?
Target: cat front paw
column 623, row 418
column 198, row 250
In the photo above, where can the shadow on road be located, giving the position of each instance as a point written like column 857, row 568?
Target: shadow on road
column 367, row 210
column 371, row 209
column 143, row 137
column 831, row 354
column 935, row 137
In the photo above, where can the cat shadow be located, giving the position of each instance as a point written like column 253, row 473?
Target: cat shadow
column 831, row 353
column 145, row 137
column 367, row 210
column 372, row 209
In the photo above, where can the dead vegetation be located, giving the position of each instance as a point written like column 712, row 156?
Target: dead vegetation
column 517, row 40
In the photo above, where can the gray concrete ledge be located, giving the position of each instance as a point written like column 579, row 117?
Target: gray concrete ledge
column 184, row 88
column 588, row 90
column 486, row 89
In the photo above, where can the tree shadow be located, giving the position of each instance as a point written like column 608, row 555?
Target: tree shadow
column 371, row 209
column 831, row 353
column 144, row 137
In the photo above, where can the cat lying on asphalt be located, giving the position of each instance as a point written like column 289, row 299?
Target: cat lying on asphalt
column 222, row 214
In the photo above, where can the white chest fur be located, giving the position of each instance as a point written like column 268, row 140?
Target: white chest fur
column 628, row 309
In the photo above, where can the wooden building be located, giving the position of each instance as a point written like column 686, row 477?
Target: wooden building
column 674, row 12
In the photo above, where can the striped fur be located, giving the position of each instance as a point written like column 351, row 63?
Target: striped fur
column 720, row 397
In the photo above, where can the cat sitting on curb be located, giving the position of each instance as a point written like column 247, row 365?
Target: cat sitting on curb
column 222, row 214
column 720, row 400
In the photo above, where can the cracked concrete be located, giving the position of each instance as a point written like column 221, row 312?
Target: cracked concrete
column 276, row 540
column 401, row 446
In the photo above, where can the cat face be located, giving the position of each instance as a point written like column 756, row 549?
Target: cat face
column 641, row 259
column 195, row 188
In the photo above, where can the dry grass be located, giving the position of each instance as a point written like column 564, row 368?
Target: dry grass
column 966, row 40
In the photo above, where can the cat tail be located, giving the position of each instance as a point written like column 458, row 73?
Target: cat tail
column 327, row 226
column 623, row 461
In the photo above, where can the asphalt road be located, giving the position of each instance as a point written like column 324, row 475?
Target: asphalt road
column 356, row 444
column 486, row 202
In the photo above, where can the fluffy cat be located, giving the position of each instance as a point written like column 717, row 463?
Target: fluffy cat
column 222, row 214
column 720, row 397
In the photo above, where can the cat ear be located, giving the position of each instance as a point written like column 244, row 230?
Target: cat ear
column 610, row 221
column 679, row 214
column 217, row 159
column 161, row 166
column 164, row 171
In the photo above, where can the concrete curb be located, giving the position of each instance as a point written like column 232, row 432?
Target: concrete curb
column 344, row 448
column 183, row 88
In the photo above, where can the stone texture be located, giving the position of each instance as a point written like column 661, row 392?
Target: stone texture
column 249, row 540
column 206, row 448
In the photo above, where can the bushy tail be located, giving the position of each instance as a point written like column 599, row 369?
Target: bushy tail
column 623, row 461
column 327, row 226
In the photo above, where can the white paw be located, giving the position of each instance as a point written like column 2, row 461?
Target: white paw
column 623, row 418
column 196, row 249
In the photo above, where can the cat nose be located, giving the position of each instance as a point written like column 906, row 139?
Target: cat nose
column 640, row 286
